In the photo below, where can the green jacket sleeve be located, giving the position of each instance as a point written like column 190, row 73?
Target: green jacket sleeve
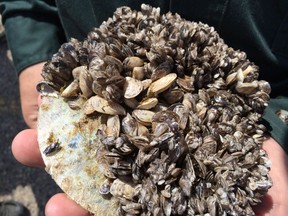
column 33, row 30
column 277, row 128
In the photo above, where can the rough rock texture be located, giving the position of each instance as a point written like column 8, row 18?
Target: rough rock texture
column 179, row 114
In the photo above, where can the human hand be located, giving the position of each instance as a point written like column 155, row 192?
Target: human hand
column 274, row 202
column 28, row 79
column 26, row 151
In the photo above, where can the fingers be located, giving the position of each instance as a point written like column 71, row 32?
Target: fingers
column 28, row 79
column 60, row 205
column 274, row 202
column 264, row 207
column 25, row 148
column 39, row 100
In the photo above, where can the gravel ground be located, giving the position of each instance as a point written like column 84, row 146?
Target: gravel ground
column 30, row 186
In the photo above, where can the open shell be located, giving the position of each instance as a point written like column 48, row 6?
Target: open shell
column 161, row 84
column 101, row 105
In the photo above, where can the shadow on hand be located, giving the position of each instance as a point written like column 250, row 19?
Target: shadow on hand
column 265, row 206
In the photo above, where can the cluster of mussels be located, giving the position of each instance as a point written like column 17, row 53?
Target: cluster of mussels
column 180, row 112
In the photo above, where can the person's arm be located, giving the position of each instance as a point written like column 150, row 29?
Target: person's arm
column 34, row 33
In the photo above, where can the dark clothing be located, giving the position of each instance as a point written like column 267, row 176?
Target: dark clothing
column 260, row 28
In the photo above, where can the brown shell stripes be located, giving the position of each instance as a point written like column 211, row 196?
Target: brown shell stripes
column 181, row 111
